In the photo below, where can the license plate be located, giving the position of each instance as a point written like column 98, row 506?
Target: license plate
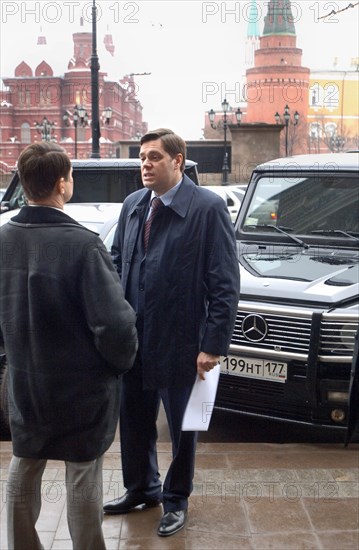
column 275, row 371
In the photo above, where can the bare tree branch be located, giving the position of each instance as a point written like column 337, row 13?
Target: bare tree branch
column 334, row 12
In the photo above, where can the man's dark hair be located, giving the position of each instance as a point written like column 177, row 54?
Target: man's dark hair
column 40, row 166
column 172, row 143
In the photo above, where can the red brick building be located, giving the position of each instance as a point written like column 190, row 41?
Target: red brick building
column 34, row 92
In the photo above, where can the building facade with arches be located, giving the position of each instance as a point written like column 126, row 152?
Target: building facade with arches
column 37, row 104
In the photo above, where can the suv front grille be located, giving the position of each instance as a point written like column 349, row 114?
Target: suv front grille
column 289, row 334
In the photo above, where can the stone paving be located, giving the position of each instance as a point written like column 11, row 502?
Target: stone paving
column 250, row 496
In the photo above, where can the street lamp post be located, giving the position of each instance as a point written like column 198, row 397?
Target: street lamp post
column 107, row 115
column 95, row 68
column 212, row 116
column 45, row 129
column 287, row 119
column 79, row 116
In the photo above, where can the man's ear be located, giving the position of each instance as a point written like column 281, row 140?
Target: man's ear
column 179, row 160
column 60, row 186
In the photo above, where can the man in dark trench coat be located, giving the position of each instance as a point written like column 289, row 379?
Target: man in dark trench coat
column 181, row 277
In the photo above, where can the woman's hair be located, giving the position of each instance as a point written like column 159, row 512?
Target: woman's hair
column 172, row 143
column 40, row 166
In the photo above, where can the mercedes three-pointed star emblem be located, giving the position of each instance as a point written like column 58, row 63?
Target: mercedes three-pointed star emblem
column 254, row 328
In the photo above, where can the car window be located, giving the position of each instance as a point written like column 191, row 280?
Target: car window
column 17, row 198
column 305, row 204
column 104, row 185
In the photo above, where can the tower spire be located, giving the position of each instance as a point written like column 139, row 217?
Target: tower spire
column 253, row 34
column 279, row 19
column 253, row 27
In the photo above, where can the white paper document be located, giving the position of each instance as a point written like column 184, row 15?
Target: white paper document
column 201, row 402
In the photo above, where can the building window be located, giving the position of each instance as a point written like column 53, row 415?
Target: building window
column 21, row 95
column 25, row 133
column 331, row 95
column 330, row 129
column 326, row 96
column 316, row 95
column 314, row 98
column 315, row 130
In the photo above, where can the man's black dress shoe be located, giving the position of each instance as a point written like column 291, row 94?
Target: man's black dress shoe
column 128, row 502
column 171, row 522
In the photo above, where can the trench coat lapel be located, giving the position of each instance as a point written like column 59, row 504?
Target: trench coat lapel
column 182, row 198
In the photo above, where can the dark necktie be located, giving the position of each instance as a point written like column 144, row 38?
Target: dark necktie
column 155, row 205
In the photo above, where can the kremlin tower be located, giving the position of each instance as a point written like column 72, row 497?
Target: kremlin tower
column 277, row 78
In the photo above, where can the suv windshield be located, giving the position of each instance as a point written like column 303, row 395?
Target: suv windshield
column 325, row 204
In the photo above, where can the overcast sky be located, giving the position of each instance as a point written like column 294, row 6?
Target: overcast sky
column 194, row 50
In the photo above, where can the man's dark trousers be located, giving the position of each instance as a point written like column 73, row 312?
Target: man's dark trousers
column 138, row 435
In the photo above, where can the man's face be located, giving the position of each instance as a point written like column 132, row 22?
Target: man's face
column 159, row 171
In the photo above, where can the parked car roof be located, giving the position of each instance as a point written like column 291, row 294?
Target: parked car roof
column 116, row 162
column 324, row 161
